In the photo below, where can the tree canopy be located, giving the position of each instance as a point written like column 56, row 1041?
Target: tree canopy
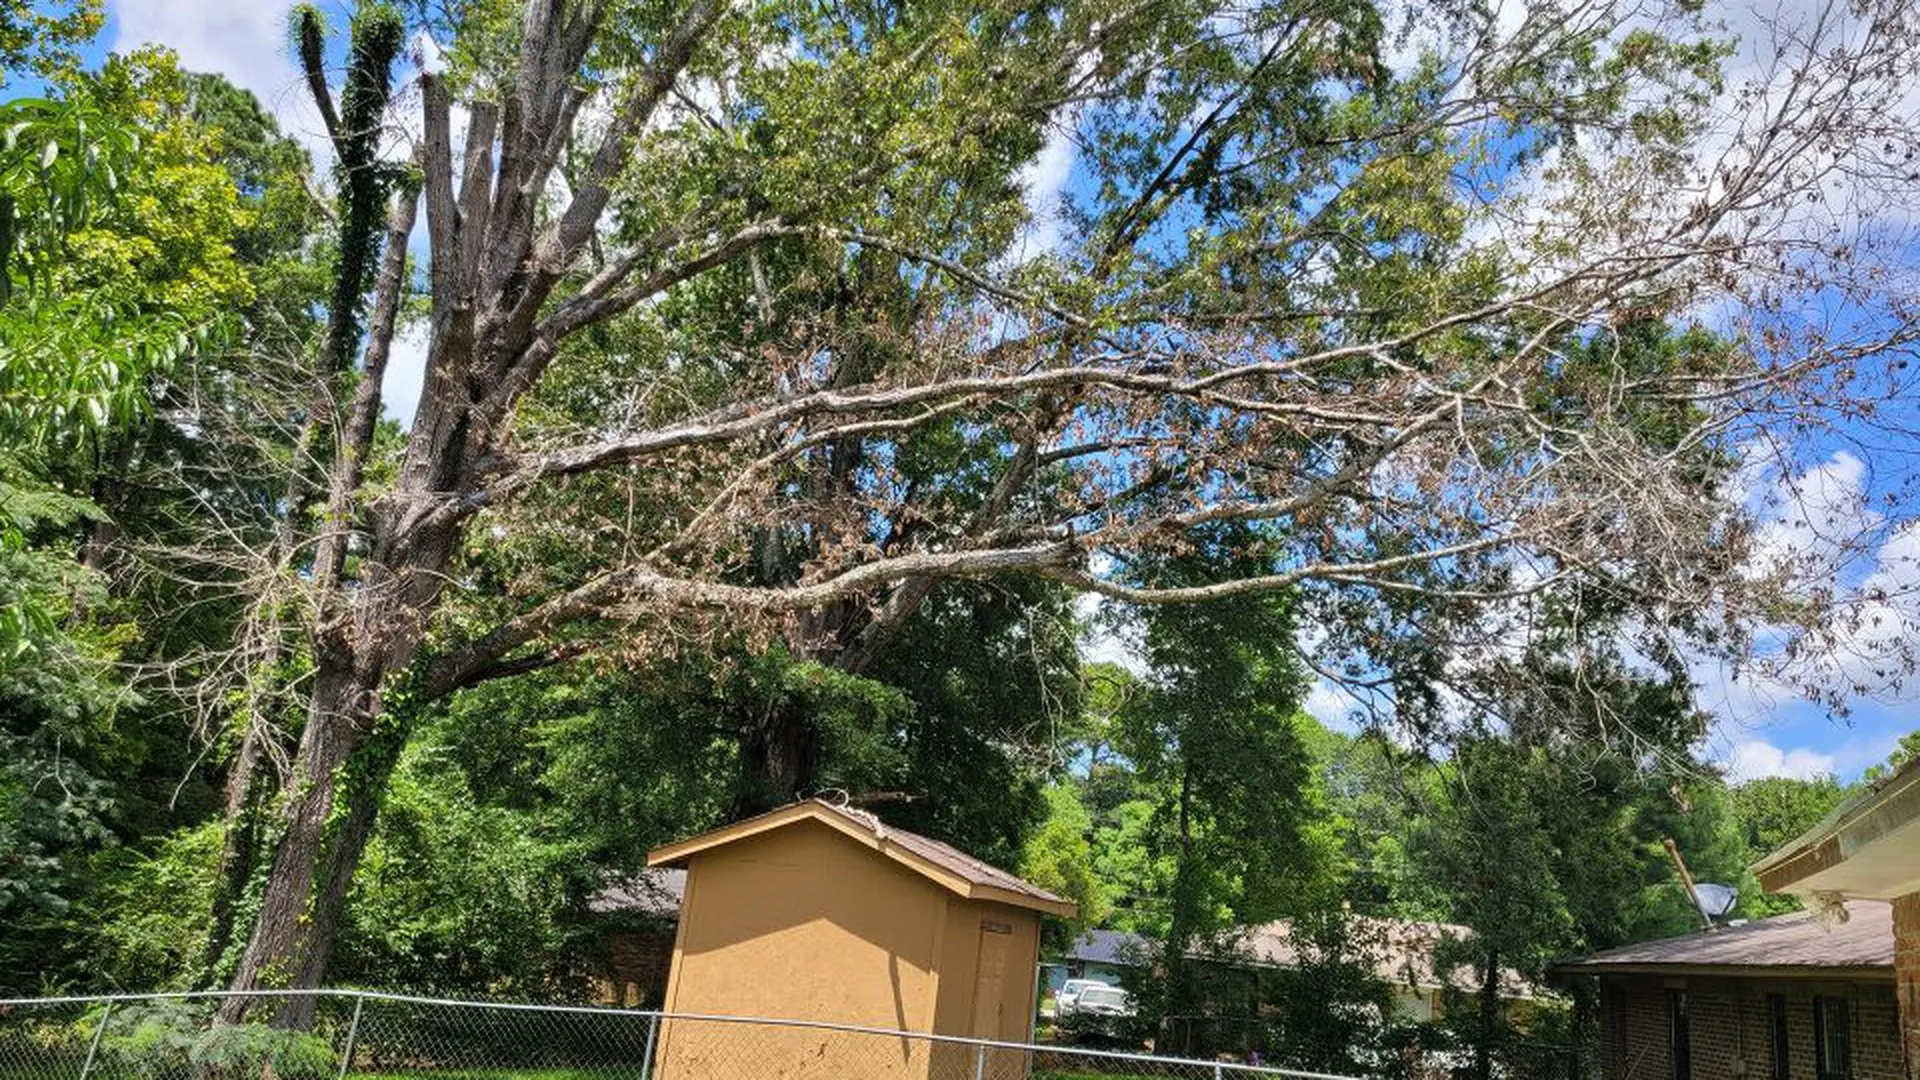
column 790, row 415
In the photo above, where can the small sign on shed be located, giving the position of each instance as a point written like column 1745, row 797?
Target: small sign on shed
column 821, row 914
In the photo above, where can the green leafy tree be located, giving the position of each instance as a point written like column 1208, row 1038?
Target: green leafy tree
column 39, row 38
column 123, row 256
column 1377, row 793
column 729, row 306
column 1769, row 813
column 1903, row 754
column 1493, row 843
column 1331, row 1011
column 1234, row 827
column 1059, row 857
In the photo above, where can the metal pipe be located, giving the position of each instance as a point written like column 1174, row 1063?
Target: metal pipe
column 93, row 1045
column 646, row 1058
column 353, row 1038
column 1686, row 882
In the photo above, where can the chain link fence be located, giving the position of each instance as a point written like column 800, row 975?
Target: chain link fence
column 362, row 1035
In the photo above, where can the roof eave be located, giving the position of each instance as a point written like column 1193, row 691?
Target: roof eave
column 1887, row 806
column 1065, row 909
column 1848, row 972
column 677, row 854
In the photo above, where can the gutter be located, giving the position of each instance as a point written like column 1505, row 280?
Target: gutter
column 1887, row 804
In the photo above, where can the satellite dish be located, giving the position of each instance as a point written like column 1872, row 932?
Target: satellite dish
column 1715, row 900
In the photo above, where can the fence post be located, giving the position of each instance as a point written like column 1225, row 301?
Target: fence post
column 93, row 1045
column 1217, row 1070
column 979, row 1061
column 646, row 1057
column 353, row 1038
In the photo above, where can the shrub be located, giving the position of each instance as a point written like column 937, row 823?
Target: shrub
column 165, row 1040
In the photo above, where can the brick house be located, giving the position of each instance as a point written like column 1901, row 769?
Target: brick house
column 1785, row 998
column 1403, row 954
column 632, row 922
column 1867, row 849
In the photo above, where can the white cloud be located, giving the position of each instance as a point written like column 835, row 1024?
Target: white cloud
column 1748, row 757
column 1752, row 759
column 244, row 41
column 1044, row 179
column 406, row 373
column 1816, row 519
column 1330, row 704
column 1823, row 538
column 428, row 54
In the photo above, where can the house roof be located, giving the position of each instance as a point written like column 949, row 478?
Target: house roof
column 1868, row 847
column 1402, row 951
column 944, row 864
column 656, row 892
column 1794, row 944
column 1113, row 947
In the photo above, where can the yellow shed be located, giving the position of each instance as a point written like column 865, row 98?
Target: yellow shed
column 817, row 912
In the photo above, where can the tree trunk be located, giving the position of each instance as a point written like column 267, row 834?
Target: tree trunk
column 779, row 759
column 365, row 689
column 316, row 853
column 1489, row 1016
column 1183, row 918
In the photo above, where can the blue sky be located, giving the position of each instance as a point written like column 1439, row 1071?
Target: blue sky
column 1761, row 730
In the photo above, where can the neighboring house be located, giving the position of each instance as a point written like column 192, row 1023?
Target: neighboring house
column 633, row 921
column 816, row 912
column 1784, row 998
column 1106, row 955
column 1403, row 955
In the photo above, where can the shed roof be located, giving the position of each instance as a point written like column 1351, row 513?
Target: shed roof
column 1794, row 944
column 944, row 864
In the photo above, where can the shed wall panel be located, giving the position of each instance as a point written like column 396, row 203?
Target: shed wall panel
column 802, row 924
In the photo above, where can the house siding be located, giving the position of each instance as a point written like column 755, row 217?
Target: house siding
column 1729, row 1029
column 628, row 967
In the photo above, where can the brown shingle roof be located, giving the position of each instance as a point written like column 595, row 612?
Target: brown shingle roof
column 1403, row 953
column 944, row 863
column 946, row 855
column 1793, row 944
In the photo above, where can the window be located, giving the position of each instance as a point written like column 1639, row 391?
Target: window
column 1679, row 1035
column 1777, row 1049
column 1832, row 1039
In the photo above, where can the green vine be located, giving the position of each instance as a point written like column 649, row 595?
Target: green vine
column 375, row 40
column 364, row 775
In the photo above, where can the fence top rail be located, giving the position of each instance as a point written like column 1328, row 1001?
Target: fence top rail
column 658, row 1015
